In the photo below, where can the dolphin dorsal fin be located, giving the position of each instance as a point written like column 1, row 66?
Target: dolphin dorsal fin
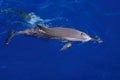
column 42, row 27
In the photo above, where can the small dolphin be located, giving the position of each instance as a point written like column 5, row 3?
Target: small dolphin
column 60, row 33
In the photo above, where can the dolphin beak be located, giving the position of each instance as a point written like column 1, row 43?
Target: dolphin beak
column 96, row 40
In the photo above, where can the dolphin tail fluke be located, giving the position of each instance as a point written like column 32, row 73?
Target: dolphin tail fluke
column 9, row 37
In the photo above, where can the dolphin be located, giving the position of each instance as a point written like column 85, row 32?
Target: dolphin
column 69, row 35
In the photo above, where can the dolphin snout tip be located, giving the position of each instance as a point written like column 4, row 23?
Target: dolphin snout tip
column 97, row 40
column 100, row 41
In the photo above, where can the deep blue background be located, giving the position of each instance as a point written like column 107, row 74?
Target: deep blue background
column 40, row 59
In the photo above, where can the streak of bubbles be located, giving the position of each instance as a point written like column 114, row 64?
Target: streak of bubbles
column 33, row 19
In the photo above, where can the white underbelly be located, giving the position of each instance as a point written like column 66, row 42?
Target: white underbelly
column 72, row 39
column 77, row 39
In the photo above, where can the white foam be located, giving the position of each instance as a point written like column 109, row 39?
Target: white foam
column 31, row 18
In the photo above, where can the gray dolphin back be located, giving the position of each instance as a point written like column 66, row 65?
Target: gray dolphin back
column 62, row 32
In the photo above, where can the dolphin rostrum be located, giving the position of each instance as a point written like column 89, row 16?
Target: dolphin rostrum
column 60, row 33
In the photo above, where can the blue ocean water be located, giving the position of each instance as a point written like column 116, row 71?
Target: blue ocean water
column 27, row 58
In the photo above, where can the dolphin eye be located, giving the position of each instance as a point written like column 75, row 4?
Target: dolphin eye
column 82, row 33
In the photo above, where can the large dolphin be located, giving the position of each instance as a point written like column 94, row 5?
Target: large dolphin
column 68, row 35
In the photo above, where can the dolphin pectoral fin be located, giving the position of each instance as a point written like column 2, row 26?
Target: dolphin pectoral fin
column 66, row 46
